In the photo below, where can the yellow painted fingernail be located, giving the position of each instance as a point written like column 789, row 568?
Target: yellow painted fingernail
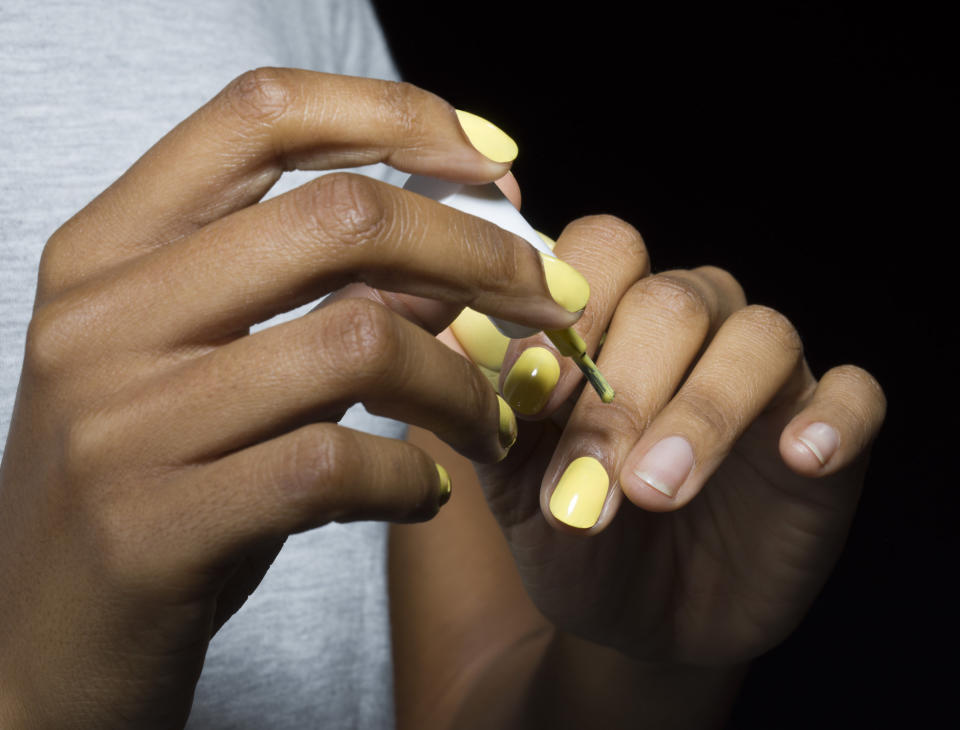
column 508, row 424
column 483, row 343
column 491, row 141
column 531, row 380
column 580, row 493
column 547, row 240
column 445, row 486
column 567, row 286
column 492, row 376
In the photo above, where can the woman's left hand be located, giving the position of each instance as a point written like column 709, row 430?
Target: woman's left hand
column 740, row 471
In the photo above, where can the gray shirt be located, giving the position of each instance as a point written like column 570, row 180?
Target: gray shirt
column 87, row 88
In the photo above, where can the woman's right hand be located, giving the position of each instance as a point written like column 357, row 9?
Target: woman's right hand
column 159, row 453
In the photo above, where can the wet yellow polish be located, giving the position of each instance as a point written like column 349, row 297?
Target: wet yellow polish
column 579, row 495
column 445, row 486
column 483, row 343
column 508, row 424
column 547, row 240
column 567, row 286
column 531, row 380
column 492, row 376
column 491, row 141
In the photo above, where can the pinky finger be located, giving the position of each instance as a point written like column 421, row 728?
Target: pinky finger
column 837, row 425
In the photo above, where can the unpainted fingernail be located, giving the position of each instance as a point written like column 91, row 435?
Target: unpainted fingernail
column 490, row 141
column 666, row 466
column 531, row 380
column 508, row 424
column 821, row 439
column 445, row 486
column 578, row 497
column 567, row 286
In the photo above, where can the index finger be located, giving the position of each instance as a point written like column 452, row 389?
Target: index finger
column 229, row 153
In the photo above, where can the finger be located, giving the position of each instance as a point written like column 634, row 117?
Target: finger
column 535, row 377
column 292, row 249
column 317, row 474
column 229, row 153
column 658, row 330
column 430, row 314
column 313, row 369
column 754, row 356
column 837, row 425
column 510, row 188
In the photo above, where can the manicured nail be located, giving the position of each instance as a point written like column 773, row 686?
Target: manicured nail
column 531, row 380
column 567, row 286
column 580, row 493
column 667, row 465
column 547, row 240
column 483, row 343
column 821, row 439
column 491, row 141
column 445, row 486
column 508, row 424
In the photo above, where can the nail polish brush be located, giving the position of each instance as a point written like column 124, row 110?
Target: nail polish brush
column 488, row 202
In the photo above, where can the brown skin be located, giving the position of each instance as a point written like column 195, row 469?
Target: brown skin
column 152, row 472
column 159, row 454
column 657, row 610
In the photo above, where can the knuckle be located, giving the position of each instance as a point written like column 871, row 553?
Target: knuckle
column 500, row 264
column 772, row 326
column 716, row 419
column 51, row 345
column 88, row 440
column 679, row 296
column 610, row 233
column 56, row 262
column 363, row 340
column 312, row 466
column 404, row 106
column 625, row 416
column 259, row 96
column 492, row 254
column 343, row 208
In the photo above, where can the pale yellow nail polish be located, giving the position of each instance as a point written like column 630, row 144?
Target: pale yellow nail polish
column 567, row 286
column 531, row 380
column 491, row 141
column 579, row 496
column 508, row 424
column 445, row 486
column 547, row 240
column 483, row 343
column 492, row 376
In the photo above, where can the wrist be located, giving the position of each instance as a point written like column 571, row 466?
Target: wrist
column 578, row 683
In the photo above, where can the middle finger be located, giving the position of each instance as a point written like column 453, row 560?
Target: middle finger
column 290, row 250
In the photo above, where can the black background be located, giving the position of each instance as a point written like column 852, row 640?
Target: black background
column 809, row 148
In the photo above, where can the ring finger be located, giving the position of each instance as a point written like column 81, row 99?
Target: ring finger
column 308, row 370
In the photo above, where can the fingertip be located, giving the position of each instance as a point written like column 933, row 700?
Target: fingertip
column 487, row 138
column 445, row 488
column 510, row 188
